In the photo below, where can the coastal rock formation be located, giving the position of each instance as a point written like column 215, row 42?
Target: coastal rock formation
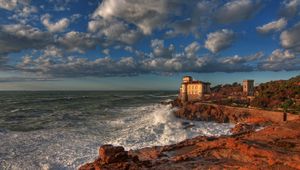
column 113, row 157
column 207, row 112
column 224, row 114
column 260, row 140
column 275, row 147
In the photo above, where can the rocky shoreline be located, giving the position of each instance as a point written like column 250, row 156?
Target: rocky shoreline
column 260, row 140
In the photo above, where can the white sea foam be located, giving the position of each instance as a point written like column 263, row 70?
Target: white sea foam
column 68, row 147
column 156, row 125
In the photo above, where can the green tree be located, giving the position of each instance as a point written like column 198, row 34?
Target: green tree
column 286, row 104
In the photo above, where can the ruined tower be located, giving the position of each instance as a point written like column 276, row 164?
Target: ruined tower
column 248, row 87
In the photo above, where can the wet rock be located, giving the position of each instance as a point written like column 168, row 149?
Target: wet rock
column 276, row 146
column 111, row 154
column 202, row 112
column 243, row 128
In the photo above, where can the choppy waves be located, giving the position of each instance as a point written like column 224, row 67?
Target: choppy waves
column 70, row 135
column 156, row 125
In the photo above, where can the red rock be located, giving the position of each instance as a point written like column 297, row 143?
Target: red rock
column 277, row 146
column 111, row 154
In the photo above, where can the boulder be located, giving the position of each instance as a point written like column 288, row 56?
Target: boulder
column 110, row 154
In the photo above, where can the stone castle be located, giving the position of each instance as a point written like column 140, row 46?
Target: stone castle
column 194, row 89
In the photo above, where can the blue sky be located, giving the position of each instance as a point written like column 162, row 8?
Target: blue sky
column 145, row 45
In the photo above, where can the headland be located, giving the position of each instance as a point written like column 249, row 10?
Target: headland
column 261, row 139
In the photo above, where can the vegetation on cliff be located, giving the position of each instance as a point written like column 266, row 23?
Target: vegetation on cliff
column 273, row 95
column 283, row 94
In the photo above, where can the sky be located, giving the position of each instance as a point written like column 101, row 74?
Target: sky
column 145, row 45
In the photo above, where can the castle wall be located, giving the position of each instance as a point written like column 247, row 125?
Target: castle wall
column 192, row 90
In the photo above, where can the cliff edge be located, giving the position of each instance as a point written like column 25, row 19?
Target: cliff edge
column 258, row 141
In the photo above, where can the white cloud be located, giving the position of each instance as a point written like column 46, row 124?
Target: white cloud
column 159, row 49
column 192, row 49
column 279, row 55
column 281, row 60
column 17, row 37
column 8, row 4
column 237, row 10
column 53, row 51
column 75, row 17
column 146, row 15
column 272, row 26
column 219, row 40
column 290, row 8
column 78, row 41
column 114, row 30
column 58, row 26
column 290, row 39
column 129, row 66
column 106, row 51
column 12, row 4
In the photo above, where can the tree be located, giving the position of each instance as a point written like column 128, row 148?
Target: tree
column 287, row 103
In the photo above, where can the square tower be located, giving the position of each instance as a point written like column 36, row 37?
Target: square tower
column 248, row 87
column 187, row 79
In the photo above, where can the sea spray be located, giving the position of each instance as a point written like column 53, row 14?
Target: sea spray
column 155, row 125
column 61, row 130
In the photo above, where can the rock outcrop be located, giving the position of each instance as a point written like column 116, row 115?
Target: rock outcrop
column 114, row 157
column 224, row 114
column 209, row 112
column 274, row 147
column 260, row 140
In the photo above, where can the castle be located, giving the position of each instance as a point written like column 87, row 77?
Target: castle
column 193, row 89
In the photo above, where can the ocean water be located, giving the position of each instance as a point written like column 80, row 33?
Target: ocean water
column 62, row 130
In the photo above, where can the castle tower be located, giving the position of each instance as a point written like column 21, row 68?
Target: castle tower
column 248, row 87
column 187, row 79
column 184, row 95
column 184, row 90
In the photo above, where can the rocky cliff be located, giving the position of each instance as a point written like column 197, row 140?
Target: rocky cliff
column 259, row 141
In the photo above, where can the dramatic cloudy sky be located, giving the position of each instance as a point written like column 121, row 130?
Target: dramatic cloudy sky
column 143, row 44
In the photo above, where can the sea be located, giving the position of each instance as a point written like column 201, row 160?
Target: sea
column 64, row 129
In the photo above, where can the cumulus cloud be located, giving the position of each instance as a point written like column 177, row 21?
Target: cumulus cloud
column 114, row 31
column 78, row 67
column 290, row 38
column 8, row 4
column 78, row 41
column 281, row 60
column 106, row 51
column 272, row 26
column 237, row 10
column 290, row 8
column 219, row 40
column 53, row 51
column 236, row 59
column 17, row 37
column 159, row 49
column 120, row 24
column 199, row 17
column 146, row 15
column 279, row 55
column 192, row 49
column 58, row 26
column 129, row 66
